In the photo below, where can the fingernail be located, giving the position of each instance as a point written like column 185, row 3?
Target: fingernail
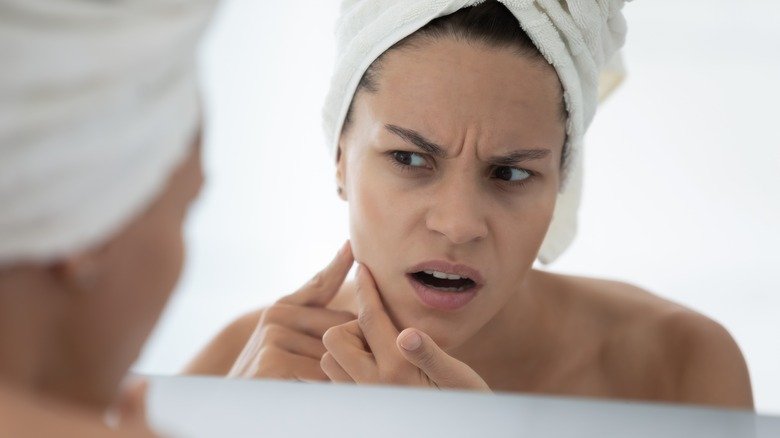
column 411, row 341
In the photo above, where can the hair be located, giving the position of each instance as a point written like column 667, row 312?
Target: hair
column 489, row 23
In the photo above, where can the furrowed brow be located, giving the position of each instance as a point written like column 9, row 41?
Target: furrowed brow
column 520, row 156
column 418, row 140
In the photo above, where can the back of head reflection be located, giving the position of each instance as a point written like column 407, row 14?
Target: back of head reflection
column 99, row 163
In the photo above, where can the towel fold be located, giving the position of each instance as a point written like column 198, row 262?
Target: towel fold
column 98, row 105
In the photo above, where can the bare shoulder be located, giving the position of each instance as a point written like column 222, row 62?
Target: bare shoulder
column 23, row 414
column 710, row 368
column 654, row 348
column 218, row 356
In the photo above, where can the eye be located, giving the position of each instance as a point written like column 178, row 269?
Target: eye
column 511, row 174
column 410, row 159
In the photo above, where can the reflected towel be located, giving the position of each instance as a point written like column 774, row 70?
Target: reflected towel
column 577, row 37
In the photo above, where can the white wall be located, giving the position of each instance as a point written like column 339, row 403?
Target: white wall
column 682, row 191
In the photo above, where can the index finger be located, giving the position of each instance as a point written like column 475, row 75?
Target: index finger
column 321, row 289
column 378, row 329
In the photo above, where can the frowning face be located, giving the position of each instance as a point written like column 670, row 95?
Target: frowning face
column 451, row 170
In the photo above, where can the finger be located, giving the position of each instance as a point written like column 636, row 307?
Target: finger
column 347, row 347
column 321, row 289
column 304, row 369
column 293, row 341
column 333, row 370
column 444, row 370
column 275, row 336
column 378, row 329
column 348, row 332
column 313, row 321
column 277, row 363
column 309, row 370
column 308, row 320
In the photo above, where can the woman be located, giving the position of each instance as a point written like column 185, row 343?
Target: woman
column 459, row 156
column 99, row 163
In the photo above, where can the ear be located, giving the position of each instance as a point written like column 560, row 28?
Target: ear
column 341, row 170
column 77, row 272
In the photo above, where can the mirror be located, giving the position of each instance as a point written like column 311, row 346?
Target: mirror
column 681, row 189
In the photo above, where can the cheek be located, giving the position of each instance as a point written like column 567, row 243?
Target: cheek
column 172, row 254
column 144, row 275
column 158, row 259
column 542, row 217
column 519, row 235
column 381, row 227
column 536, row 218
column 374, row 215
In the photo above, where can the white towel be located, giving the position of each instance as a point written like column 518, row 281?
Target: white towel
column 577, row 37
column 98, row 104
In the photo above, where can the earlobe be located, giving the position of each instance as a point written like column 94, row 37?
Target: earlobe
column 78, row 272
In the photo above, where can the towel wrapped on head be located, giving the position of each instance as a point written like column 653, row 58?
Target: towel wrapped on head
column 98, row 105
column 579, row 38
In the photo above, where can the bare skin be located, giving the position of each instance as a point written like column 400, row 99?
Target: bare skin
column 70, row 330
column 641, row 347
column 23, row 414
column 527, row 330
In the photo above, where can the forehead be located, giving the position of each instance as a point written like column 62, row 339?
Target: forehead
column 448, row 86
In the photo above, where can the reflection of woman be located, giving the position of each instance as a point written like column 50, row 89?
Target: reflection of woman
column 452, row 153
column 99, row 162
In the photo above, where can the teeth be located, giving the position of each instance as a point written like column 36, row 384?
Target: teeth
column 450, row 289
column 443, row 275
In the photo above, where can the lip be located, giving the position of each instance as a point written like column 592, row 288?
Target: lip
column 451, row 268
column 441, row 300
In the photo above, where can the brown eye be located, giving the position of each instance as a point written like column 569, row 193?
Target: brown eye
column 512, row 174
column 409, row 158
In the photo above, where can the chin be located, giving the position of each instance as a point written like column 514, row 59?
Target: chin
column 445, row 341
column 443, row 332
column 447, row 332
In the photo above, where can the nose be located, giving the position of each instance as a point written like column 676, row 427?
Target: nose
column 456, row 211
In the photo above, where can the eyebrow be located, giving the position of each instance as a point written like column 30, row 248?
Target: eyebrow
column 519, row 156
column 510, row 159
column 418, row 140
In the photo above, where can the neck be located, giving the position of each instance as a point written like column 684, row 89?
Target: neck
column 33, row 334
column 516, row 342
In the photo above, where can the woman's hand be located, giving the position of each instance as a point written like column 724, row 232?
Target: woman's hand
column 287, row 342
column 371, row 350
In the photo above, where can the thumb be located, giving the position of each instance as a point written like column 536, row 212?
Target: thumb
column 444, row 370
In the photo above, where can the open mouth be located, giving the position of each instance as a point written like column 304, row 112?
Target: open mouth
column 443, row 285
column 443, row 281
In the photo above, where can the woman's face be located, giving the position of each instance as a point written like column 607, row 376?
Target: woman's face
column 452, row 167
column 134, row 274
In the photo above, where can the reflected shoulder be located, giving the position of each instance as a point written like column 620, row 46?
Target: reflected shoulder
column 653, row 348
column 218, row 356
column 710, row 368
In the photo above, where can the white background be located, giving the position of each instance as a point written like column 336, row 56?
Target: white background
column 682, row 184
